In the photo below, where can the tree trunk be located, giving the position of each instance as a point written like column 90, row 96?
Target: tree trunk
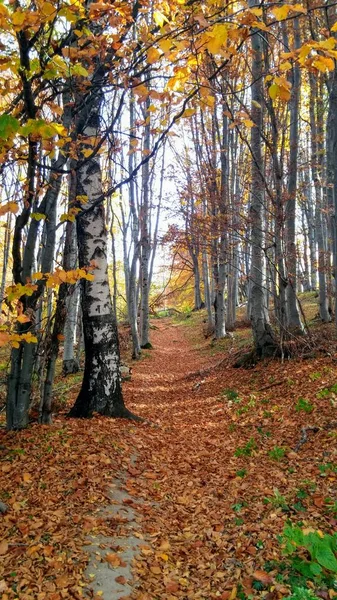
column 315, row 116
column 294, row 323
column 263, row 337
column 70, row 364
column 145, row 243
column 101, row 386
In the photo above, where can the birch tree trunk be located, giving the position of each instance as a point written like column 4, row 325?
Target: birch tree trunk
column 101, row 386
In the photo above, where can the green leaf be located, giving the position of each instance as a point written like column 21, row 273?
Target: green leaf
column 38, row 216
column 326, row 558
column 79, row 70
column 8, row 126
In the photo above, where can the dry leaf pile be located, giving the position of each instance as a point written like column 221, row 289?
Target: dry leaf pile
column 230, row 456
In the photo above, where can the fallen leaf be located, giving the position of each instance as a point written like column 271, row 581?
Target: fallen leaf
column 3, row 547
column 113, row 559
column 155, row 570
column 262, row 576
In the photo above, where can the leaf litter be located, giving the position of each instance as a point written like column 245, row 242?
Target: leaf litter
column 215, row 478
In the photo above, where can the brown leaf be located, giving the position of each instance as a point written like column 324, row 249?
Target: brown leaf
column 263, row 577
column 155, row 570
column 120, row 579
column 3, row 547
column 172, row 587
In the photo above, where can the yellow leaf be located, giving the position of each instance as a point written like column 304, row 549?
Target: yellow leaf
column 18, row 18
column 256, row 11
column 249, row 123
column 273, row 91
column 159, row 18
column 334, row 27
column 48, row 9
column 281, row 12
column 9, row 207
column 217, row 38
column 209, row 101
column 164, row 556
column 153, row 55
column 86, row 152
column 23, row 319
column 299, row 8
column 29, row 338
column 37, row 276
column 323, row 63
column 286, row 66
column 328, row 44
column 90, row 277
column 260, row 25
column 62, row 275
column 189, row 112
column 233, row 593
column 27, row 478
column 165, row 45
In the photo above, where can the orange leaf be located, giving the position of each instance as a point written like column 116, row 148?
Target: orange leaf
column 27, row 478
column 62, row 581
column 113, row 559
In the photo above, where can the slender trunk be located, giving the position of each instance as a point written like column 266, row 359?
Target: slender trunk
column 207, row 294
column 315, row 116
column 332, row 172
column 70, row 364
column 263, row 337
column 293, row 316
column 6, row 252
column 145, row 243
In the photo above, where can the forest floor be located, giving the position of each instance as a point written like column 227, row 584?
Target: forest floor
column 213, row 484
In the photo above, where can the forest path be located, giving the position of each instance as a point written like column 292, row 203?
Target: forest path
column 184, row 461
column 206, row 472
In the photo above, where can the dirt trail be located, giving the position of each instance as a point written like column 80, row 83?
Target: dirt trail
column 203, row 473
column 163, row 380
column 176, row 479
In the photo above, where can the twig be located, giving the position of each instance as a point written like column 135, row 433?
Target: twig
column 270, row 385
column 304, row 437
